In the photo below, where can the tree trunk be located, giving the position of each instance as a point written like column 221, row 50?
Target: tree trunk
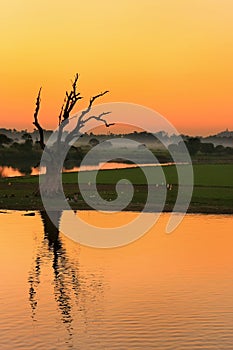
column 51, row 182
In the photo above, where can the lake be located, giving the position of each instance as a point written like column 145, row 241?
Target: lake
column 8, row 171
column 161, row 292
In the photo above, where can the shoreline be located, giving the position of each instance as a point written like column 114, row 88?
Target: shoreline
column 131, row 208
column 212, row 190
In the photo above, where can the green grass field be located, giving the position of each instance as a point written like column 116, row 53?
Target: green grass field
column 204, row 175
column 213, row 187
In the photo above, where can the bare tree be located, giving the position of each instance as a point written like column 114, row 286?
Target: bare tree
column 55, row 155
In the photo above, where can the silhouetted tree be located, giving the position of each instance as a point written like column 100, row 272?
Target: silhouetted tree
column 5, row 140
column 28, row 142
column 207, row 147
column 193, row 145
column 93, row 142
column 56, row 154
column 219, row 149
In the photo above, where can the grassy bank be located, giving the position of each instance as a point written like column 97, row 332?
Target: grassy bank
column 213, row 188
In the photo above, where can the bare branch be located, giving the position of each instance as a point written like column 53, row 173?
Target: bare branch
column 71, row 98
column 36, row 121
column 97, row 117
column 87, row 110
column 60, row 115
column 81, row 121
column 76, row 132
column 69, row 102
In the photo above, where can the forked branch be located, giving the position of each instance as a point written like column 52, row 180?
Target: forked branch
column 70, row 100
column 98, row 117
column 36, row 121
column 92, row 100
column 82, row 121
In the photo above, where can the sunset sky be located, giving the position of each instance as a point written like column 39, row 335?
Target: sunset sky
column 174, row 56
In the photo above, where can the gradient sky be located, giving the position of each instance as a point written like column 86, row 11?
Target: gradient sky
column 174, row 56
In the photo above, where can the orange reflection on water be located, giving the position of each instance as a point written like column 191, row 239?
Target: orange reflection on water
column 162, row 291
column 202, row 243
column 9, row 172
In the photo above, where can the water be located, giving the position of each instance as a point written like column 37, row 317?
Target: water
column 161, row 292
column 8, row 171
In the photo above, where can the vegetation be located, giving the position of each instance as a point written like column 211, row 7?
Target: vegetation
column 26, row 152
column 213, row 164
column 213, row 189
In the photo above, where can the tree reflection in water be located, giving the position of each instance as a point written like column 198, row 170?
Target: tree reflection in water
column 66, row 274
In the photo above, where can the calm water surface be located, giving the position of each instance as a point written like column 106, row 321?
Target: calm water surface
column 8, row 171
column 161, row 292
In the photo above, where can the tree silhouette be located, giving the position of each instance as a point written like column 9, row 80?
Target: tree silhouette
column 56, row 154
column 193, row 145
column 5, row 140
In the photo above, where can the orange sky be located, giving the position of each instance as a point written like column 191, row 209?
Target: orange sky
column 173, row 56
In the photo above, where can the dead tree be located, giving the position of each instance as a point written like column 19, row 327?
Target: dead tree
column 55, row 155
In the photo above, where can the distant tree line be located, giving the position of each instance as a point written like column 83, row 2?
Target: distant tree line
column 195, row 146
column 25, row 152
